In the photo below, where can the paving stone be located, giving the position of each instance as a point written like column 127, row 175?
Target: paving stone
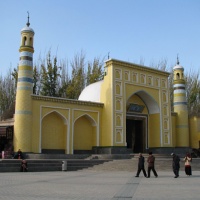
column 98, row 185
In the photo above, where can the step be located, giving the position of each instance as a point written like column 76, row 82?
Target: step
column 13, row 165
column 56, row 156
column 161, row 164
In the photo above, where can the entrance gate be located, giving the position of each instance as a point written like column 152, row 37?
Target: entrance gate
column 136, row 133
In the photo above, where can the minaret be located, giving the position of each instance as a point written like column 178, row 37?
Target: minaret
column 180, row 107
column 23, row 107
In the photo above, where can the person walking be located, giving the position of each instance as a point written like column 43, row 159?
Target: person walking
column 141, row 161
column 151, row 166
column 175, row 165
column 188, row 168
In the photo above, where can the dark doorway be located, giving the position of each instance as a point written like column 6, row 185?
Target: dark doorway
column 135, row 136
column 6, row 141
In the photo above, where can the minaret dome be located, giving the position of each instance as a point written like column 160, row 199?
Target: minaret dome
column 178, row 71
column 27, row 36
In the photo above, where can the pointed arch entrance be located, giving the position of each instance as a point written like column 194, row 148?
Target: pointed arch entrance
column 140, row 106
column 54, row 133
column 85, row 134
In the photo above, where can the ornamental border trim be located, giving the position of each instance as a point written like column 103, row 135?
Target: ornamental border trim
column 69, row 101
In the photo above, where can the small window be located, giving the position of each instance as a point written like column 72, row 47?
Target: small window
column 25, row 41
column 31, row 42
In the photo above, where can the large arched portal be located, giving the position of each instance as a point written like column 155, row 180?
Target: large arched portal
column 140, row 107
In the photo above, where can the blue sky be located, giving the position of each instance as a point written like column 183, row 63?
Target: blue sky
column 131, row 30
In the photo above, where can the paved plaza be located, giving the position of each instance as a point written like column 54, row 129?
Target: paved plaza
column 101, row 185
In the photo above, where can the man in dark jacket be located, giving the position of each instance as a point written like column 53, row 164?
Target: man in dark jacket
column 141, row 161
column 151, row 161
column 175, row 165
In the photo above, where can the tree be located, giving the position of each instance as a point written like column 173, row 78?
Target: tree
column 63, row 82
column 160, row 65
column 49, row 77
column 15, row 75
column 193, row 92
column 94, row 71
column 7, row 95
column 77, row 82
column 36, row 76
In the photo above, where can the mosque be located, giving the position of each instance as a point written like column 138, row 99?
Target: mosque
column 129, row 111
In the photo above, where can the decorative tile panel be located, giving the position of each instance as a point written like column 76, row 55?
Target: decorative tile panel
column 118, row 136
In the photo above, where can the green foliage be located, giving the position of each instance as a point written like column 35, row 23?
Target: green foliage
column 15, row 75
column 77, row 82
column 36, row 76
column 193, row 92
column 95, row 71
column 49, row 77
column 63, row 81
column 7, row 95
column 52, row 79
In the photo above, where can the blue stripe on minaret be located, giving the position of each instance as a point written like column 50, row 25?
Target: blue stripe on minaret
column 180, row 103
column 23, row 112
column 26, row 53
column 29, row 80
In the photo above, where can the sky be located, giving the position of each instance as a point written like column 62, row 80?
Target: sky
column 129, row 30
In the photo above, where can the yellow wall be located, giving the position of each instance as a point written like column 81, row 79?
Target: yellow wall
column 83, row 134
column 194, row 123
column 22, row 141
column 121, row 82
column 43, row 113
column 182, row 129
column 154, row 130
column 174, row 134
column 53, row 135
column 107, row 118
column 80, row 125
column 63, row 117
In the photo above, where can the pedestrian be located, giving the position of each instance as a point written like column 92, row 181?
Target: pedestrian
column 175, row 165
column 24, row 166
column 151, row 166
column 141, row 161
column 19, row 155
column 188, row 168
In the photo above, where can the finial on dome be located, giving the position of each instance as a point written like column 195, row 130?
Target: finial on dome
column 28, row 24
column 177, row 60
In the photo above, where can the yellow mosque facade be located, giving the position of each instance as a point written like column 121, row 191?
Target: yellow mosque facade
column 129, row 111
